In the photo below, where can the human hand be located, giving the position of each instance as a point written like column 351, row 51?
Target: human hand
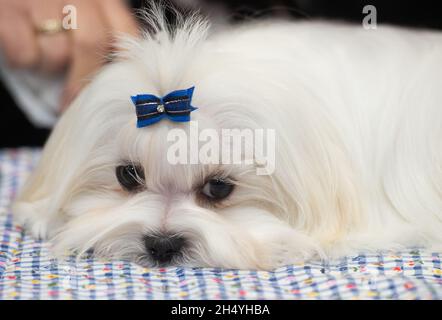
column 78, row 52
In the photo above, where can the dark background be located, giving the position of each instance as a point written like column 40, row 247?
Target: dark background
column 16, row 130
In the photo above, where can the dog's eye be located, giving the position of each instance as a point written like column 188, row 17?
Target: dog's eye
column 130, row 177
column 217, row 189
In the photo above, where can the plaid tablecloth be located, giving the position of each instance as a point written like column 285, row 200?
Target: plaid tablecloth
column 27, row 271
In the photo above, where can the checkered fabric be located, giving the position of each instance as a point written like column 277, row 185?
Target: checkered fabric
column 28, row 272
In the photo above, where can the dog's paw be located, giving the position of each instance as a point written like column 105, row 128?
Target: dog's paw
column 285, row 256
column 39, row 228
column 39, row 224
column 294, row 248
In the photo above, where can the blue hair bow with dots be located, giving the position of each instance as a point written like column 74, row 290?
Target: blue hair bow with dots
column 175, row 106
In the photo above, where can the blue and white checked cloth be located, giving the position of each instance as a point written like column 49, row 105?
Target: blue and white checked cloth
column 28, row 272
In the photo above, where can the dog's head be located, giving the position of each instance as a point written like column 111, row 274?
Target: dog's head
column 106, row 185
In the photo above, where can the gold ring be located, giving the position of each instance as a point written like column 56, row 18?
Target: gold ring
column 50, row 26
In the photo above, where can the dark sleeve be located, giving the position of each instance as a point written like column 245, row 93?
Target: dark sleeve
column 414, row 13
column 15, row 128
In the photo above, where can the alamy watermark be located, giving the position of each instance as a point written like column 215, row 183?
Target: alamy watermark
column 69, row 21
column 255, row 147
column 370, row 20
column 70, row 17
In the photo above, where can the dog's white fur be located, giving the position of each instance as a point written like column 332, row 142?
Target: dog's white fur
column 358, row 115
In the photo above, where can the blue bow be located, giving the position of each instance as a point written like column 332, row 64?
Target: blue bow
column 175, row 106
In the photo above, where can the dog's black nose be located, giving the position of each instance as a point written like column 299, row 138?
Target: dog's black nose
column 163, row 248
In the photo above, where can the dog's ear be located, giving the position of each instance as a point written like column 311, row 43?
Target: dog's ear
column 42, row 195
column 79, row 131
column 316, row 184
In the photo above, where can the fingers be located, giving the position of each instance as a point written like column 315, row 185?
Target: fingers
column 17, row 38
column 88, row 48
column 105, row 18
column 82, row 51
column 119, row 17
column 54, row 48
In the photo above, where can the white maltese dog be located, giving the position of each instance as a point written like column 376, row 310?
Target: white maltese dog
column 355, row 163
